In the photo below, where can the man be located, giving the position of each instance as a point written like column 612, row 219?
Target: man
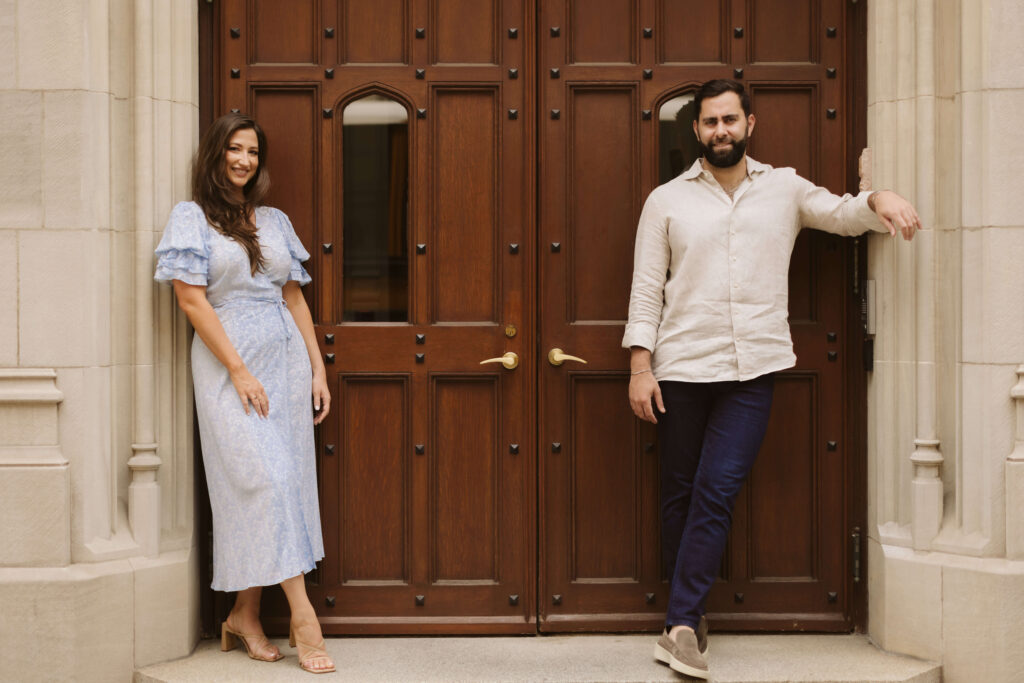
column 708, row 328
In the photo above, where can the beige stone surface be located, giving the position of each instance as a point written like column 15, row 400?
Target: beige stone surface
column 1003, row 201
column 8, row 302
column 76, row 159
column 27, row 424
column 21, row 164
column 1015, row 509
column 8, row 44
column 36, row 529
column 63, row 298
column 71, row 624
column 910, row 619
column 993, row 327
column 57, row 46
column 1004, row 48
column 561, row 659
column 165, row 611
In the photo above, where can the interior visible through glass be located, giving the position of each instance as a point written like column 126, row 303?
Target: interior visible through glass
column 375, row 145
column 676, row 140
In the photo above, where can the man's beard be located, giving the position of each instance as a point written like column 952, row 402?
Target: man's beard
column 725, row 158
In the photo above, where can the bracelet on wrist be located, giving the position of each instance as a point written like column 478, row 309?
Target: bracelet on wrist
column 640, row 372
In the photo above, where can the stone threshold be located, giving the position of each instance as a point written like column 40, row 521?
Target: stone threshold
column 558, row 659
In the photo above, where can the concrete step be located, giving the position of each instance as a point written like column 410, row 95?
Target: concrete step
column 559, row 659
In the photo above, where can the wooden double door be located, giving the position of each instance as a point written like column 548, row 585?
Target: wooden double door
column 468, row 176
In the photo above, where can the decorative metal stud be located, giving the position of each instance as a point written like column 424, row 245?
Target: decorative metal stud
column 329, row 32
column 421, row 248
column 513, row 73
column 421, row 357
column 648, row 32
column 513, row 114
column 329, row 600
column 421, row 600
column 329, row 358
column 329, row 448
column 738, row 597
column 737, row 32
column 513, row 248
column 556, row 446
column 328, row 113
column 832, row 356
column 649, row 597
column 236, row 32
column 421, row 339
column 833, row 596
column 420, row 449
column 556, row 247
column 236, row 111
column 421, row 74
column 328, row 339
column 830, row 113
column 236, row 73
column 329, row 73
column 646, row 114
column 648, row 74
column 328, row 247
column 831, row 336
column 556, row 599
column 649, row 447
column 738, row 72
column 555, row 73
column 513, row 600
column 556, row 114
column 513, row 448
column 421, row 113
column 513, row 33
column 832, row 445
column 555, row 31
column 421, row 33
column 830, row 32
column 830, row 72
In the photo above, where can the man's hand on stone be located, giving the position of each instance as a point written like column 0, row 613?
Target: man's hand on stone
column 895, row 212
column 642, row 389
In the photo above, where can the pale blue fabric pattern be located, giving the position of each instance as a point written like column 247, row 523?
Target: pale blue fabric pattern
column 261, row 473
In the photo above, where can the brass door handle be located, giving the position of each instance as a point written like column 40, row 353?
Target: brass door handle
column 510, row 360
column 557, row 357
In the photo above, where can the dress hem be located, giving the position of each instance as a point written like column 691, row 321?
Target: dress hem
column 272, row 582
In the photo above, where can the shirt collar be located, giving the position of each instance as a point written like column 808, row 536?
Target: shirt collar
column 753, row 168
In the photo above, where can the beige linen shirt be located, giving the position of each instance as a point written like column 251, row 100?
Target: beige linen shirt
column 710, row 294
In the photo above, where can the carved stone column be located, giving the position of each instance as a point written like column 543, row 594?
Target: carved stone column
column 1015, row 479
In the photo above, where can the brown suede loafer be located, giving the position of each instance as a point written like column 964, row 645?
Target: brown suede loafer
column 683, row 656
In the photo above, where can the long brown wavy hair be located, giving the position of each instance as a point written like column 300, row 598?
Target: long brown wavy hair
column 215, row 194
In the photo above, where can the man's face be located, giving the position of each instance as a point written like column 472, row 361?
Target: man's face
column 722, row 129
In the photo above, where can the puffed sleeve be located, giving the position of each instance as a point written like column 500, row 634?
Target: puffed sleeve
column 183, row 253
column 295, row 248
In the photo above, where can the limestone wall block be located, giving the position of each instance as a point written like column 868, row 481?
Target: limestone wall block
column 122, row 166
column 972, row 41
column 63, row 298
column 993, row 327
column 8, row 302
column 1004, row 50
column 882, row 35
column 21, row 163
column 37, row 518
column 910, row 618
column 76, row 159
column 1004, row 150
column 974, row 167
column 8, row 44
column 57, row 45
column 948, row 160
column 166, row 606
column 123, row 294
column 121, row 48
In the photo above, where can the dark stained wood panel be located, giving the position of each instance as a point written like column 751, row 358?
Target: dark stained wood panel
column 284, row 31
column 783, row 30
column 375, row 32
column 803, row 278
column 603, row 204
column 374, row 479
column 786, row 127
column 782, row 487
column 604, row 472
column 288, row 117
column 466, row 478
column 464, row 227
column 466, row 31
column 692, row 30
column 603, row 31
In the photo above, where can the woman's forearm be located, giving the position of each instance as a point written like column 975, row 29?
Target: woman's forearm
column 192, row 299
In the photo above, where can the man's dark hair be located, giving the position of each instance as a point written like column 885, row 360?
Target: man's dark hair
column 717, row 87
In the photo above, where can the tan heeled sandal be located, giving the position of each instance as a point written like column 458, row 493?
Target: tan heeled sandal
column 311, row 652
column 229, row 641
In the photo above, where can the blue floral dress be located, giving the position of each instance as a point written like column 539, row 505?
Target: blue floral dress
column 261, row 473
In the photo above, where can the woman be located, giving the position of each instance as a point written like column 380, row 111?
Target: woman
column 236, row 269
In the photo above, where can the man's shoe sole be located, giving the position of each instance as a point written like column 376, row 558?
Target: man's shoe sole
column 665, row 657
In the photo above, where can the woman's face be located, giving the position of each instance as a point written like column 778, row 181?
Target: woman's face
column 241, row 157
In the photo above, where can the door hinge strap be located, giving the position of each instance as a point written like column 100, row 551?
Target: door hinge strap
column 855, row 554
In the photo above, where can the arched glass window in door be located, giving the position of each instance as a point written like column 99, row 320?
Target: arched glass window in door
column 676, row 140
column 375, row 178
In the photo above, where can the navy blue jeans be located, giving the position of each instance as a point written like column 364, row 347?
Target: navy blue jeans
column 710, row 435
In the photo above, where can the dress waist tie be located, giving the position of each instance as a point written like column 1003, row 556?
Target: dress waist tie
column 279, row 304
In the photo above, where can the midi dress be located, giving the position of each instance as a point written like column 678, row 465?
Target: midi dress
column 261, row 472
